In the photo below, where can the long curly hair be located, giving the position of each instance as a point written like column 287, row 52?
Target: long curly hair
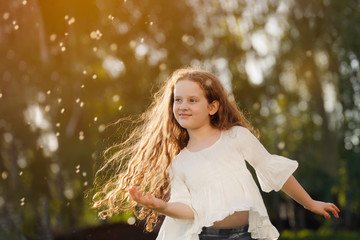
column 143, row 159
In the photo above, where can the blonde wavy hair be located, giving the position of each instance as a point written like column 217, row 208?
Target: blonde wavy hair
column 143, row 159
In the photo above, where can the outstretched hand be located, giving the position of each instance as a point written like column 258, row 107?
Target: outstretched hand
column 147, row 200
column 322, row 208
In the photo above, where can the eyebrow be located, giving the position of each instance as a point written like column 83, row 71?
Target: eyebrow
column 187, row 96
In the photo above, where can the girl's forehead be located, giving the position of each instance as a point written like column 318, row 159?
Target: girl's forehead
column 188, row 87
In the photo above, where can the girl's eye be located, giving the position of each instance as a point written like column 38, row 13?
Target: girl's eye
column 177, row 99
column 192, row 100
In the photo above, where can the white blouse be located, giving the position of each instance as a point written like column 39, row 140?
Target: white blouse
column 215, row 183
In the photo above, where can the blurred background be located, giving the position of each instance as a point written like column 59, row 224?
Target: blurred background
column 70, row 68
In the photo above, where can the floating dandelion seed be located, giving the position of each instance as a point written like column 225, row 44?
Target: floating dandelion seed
column 14, row 22
column 95, row 119
column 82, row 104
column 94, row 49
column 77, row 100
column 111, row 17
column 84, row 72
column 21, row 173
column 53, row 37
column 63, row 49
column 66, row 34
column 22, row 201
column 66, row 17
column 101, row 128
column 48, row 92
column 57, row 124
column 93, row 35
column 71, row 21
column 61, row 44
column 116, row 98
column 162, row 67
column 81, row 135
column 78, row 166
column 120, row 107
column 113, row 47
column 85, row 183
column 132, row 44
column 24, row 2
column 6, row 16
column 59, row 100
column 82, row 86
column 57, row 134
column 151, row 23
column 16, row 27
column 1, row 95
column 84, row 174
column 62, row 110
column 47, row 108
column 208, row 82
column 4, row 175
column 131, row 220
column 96, row 34
column 142, row 40
column 94, row 76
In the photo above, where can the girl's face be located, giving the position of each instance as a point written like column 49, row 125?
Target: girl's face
column 191, row 108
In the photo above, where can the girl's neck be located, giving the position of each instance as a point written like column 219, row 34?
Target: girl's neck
column 203, row 137
column 202, row 133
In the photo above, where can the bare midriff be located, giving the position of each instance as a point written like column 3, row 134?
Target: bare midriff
column 237, row 219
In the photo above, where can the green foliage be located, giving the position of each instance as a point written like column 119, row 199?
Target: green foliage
column 84, row 64
column 311, row 235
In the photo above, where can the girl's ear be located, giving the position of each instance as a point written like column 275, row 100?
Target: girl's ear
column 213, row 107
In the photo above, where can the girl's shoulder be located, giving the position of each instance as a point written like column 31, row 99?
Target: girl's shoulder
column 177, row 157
column 238, row 131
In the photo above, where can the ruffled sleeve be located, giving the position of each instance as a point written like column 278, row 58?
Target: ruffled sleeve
column 272, row 170
column 179, row 192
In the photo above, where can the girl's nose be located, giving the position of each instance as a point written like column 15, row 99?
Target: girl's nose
column 183, row 105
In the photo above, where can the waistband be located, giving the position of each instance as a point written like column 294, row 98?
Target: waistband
column 212, row 230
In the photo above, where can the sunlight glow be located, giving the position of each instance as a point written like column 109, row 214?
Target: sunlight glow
column 113, row 66
column 253, row 71
column 49, row 142
column 329, row 94
column 35, row 116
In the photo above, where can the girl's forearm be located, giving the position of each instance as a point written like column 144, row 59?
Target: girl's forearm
column 293, row 188
column 172, row 209
column 177, row 210
column 297, row 192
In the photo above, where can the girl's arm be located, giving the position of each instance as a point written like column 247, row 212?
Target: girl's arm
column 174, row 210
column 297, row 192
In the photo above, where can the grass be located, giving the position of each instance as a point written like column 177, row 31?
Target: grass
column 319, row 235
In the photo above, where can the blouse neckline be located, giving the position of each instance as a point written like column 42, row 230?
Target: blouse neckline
column 209, row 147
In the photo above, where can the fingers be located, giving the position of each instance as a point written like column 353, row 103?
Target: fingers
column 143, row 200
column 330, row 207
column 333, row 209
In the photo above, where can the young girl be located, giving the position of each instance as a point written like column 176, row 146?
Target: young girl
column 186, row 160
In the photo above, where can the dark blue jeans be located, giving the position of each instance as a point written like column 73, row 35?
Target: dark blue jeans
column 239, row 233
